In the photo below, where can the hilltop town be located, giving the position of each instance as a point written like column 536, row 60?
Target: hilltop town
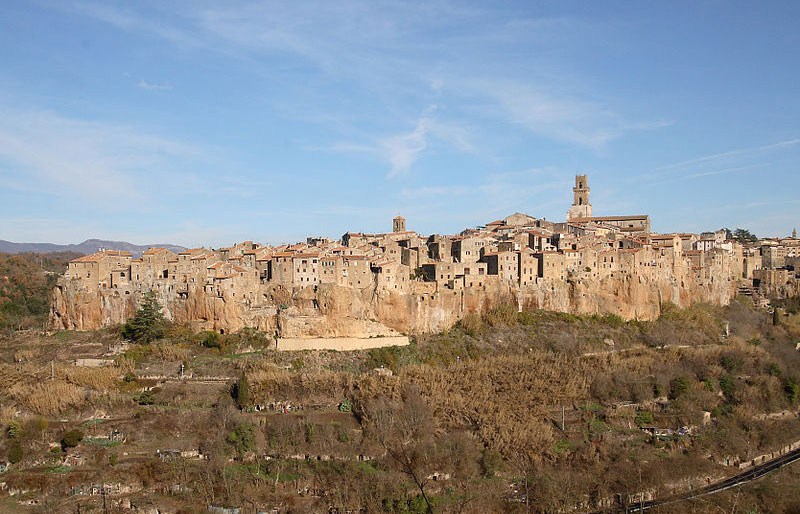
column 464, row 390
column 368, row 285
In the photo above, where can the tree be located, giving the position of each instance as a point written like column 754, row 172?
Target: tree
column 678, row 386
column 741, row 235
column 149, row 323
column 242, row 438
column 71, row 439
column 406, row 431
column 242, row 392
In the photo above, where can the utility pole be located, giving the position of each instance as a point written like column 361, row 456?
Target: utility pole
column 52, row 372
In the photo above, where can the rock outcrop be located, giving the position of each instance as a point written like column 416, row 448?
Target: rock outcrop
column 336, row 311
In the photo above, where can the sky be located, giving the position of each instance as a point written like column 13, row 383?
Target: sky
column 207, row 123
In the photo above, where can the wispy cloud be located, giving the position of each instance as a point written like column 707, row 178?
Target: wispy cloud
column 369, row 43
column 564, row 117
column 153, row 87
column 737, row 160
column 128, row 19
column 105, row 162
column 739, row 152
column 402, row 150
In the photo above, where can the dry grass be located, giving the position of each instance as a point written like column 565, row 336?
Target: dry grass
column 170, row 352
column 97, row 378
column 48, row 398
column 7, row 415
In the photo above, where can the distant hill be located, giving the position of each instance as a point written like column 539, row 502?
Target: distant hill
column 87, row 247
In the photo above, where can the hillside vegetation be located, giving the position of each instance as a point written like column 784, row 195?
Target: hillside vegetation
column 506, row 412
column 26, row 281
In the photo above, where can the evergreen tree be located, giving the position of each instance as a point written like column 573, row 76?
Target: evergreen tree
column 148, row 324
column 243, row 392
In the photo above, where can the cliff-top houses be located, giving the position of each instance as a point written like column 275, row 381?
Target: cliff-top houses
column 518, row 251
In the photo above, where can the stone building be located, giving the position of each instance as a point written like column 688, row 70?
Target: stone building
column 581, row 208
column 399, row 224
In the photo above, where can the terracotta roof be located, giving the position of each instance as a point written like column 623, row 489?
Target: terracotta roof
column 153, row 251
column 192, row 250
column 537, row 233
column 98, row 256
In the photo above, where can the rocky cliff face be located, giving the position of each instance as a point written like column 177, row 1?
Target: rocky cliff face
column 333, row 311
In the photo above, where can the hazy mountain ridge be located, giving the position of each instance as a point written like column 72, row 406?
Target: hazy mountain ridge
column 87, row 247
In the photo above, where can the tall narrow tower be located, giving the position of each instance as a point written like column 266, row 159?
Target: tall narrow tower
column 399, row 224
column 581, row 208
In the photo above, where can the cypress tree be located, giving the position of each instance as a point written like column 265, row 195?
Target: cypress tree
column 243, row 392
column 148, row 324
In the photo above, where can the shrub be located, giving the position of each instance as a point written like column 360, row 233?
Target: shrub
column 729, row 363
column 71, row 439
column 471, row 324
column 129, row 377
column 112, row 459
column 146, row 398
column 14, row 430
column 38, row 426
column 242, row 438
column 15, row 452
column 644, row 417
column 346, row 406
column 792, row 390
column 678, row 387
column 491, row 462
column 209, row 339
column 505, row 314
column 728, row 387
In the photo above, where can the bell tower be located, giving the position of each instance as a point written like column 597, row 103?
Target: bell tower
column 581, row 208
column 399, row 224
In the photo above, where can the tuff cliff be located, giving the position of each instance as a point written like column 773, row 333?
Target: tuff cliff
column 335, row 311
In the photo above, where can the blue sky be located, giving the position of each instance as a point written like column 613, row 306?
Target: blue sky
column 206, row 123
